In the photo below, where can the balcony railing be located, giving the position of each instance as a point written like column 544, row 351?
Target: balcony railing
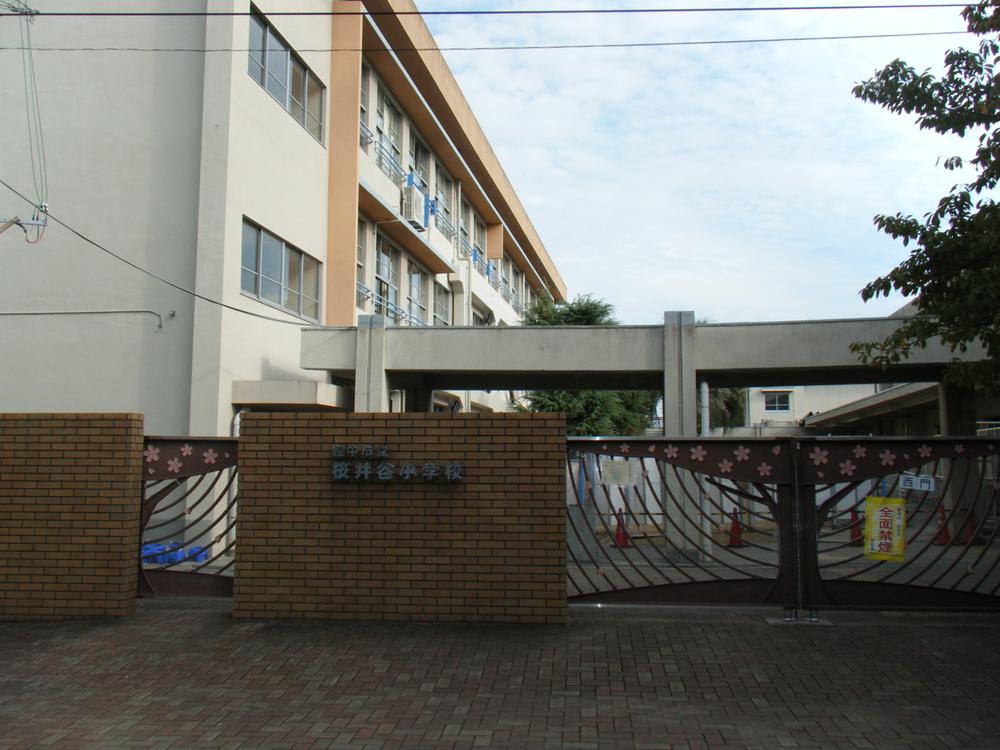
column 388, row 163
column 382, row 306
column 465, row 248
column 366, row 135
column 443, row 223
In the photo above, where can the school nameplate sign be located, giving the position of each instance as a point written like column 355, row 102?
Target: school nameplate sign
column 370, row 463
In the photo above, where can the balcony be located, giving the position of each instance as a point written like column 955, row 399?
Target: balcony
column 388, row 163
column 382, row 306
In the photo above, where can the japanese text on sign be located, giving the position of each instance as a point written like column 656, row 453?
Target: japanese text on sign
column 369, row 463
column 885, row 528
column 919, row 482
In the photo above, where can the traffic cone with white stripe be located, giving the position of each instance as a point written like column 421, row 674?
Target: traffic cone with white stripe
column 735, row 533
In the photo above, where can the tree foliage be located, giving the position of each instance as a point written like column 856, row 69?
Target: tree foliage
column 727, row 407
column 953, row 271
column 588, row 412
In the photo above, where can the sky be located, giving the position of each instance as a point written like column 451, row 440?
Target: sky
column 737, row 181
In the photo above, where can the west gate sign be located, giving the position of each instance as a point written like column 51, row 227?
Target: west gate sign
column 369, row 463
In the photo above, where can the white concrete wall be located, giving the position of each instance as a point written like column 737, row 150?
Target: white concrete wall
column 273, row 172
column 122, row 132
column 804, row 400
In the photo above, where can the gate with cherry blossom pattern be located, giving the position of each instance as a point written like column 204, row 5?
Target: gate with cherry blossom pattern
column 778, row 521
column 188, row 528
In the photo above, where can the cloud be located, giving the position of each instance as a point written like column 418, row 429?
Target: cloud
column 739, row 181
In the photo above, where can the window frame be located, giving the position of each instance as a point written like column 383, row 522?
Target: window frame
column 288, row 252
column 442, row 313
column 273, row 42
column 777, row 408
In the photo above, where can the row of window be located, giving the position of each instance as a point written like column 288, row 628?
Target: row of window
column 277, row 68
column 385, row 134
column 426, row 301
column 278, row 273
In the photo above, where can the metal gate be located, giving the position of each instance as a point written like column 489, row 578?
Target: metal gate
column 188, row 530
column 780, row 521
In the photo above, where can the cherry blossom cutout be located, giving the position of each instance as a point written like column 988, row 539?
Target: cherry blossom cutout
column 741, row 453
column 820, row 474
column 925, row 451
column 725, row 466
column 860, row 451
column 670, row 451
column 210, row 455
column 186, row 450
column 847, row 468
column 819, row 456
column 888, row 457
column 959, row 448
column 174, row 465
column 764, row 469
column 604, row 447
column 151, row 454
column 624, row 448
column 906, row 456
column 698, row 453
column 652, row 448
column 150, row 470
column 776, row 450
column 226, row 455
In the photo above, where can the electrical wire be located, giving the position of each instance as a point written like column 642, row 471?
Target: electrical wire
column 149, row 273
column 505, row 12
column 516, row 47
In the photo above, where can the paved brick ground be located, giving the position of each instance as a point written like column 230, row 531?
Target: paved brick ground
column 183, row 674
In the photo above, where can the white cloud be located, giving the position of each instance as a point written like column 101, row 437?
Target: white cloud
column 739, row 181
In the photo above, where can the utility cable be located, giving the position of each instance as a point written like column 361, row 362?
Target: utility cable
column 514, row 47
column 139, row 268
column 506, row 12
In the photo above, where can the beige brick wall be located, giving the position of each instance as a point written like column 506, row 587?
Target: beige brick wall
column 70, row 494
column 489, row 548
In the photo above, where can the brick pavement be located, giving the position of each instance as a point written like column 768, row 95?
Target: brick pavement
column 184, row 674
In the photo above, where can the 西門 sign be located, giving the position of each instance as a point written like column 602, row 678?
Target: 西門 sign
column 918, row 482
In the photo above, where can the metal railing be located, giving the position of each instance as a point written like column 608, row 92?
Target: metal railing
column 782, row 521
column 443, row 223
column 382, row 306
column 386, row 160
column 366, row 136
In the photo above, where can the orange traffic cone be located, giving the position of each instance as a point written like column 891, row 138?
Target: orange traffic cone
column 735, row 534
column 943, row 536
column 857, row 538
column 621, row 536
column 968, row 532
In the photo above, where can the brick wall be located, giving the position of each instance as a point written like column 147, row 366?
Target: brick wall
column 488, row 548
column 70, row 495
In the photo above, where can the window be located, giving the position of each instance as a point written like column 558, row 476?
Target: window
column 285, row 77
column 362, row 280
column 465, row 226
column 480, row 318
column 420, row 160
column 386, row 279
column 442, row 305
column 275, row 272
column 445, row 197
column 388, row 126
column 416, row 300
column 366, row 131
column 777, row 401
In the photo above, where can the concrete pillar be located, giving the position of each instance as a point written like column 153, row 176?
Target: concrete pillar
column 679, row 395
column 682, row 497
column 371, row 386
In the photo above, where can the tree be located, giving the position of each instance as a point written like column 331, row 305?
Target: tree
column 953, row 270
column 588, row 412
column 727, row 407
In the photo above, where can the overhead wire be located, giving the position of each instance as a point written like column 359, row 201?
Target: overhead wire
column 149, row 273
column 500, row 12
column 515, row 47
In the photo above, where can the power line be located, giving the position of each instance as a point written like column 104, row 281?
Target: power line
column 507, row 12
column 514, row 47
column 139, row 268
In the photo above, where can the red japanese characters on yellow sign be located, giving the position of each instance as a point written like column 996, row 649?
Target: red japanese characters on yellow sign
column 885, row 528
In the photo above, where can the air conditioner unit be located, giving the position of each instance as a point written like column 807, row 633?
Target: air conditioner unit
column 414, row 205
